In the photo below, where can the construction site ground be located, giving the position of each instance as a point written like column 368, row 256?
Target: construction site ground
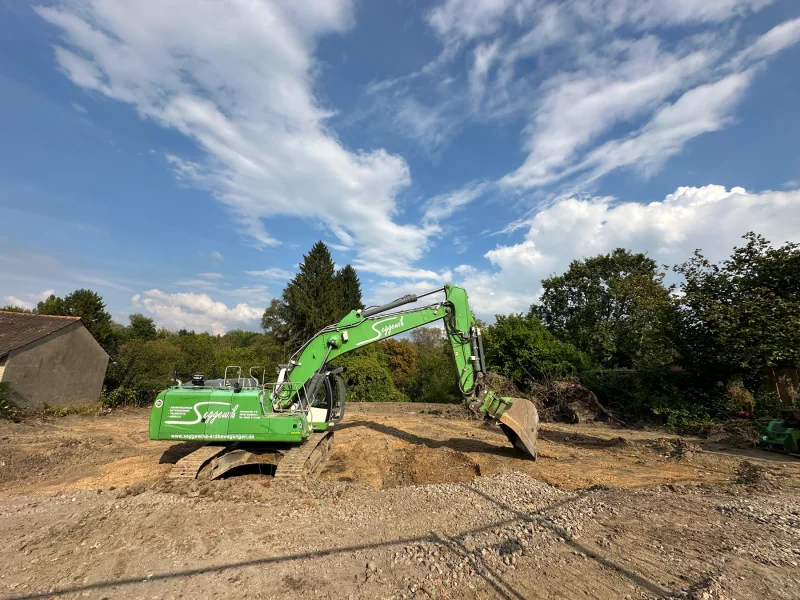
column 416, row 501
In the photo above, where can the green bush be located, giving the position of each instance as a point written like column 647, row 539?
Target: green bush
column 673, row 398
column 120, row 397
column 617, row 391
column 368, row 380
column 768, row 404
column 7, row 408
column 523, row 350
column 437, row 378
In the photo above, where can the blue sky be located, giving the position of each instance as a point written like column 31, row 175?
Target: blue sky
column 180, row 156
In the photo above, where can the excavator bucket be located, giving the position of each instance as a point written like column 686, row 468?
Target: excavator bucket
column 520, row 423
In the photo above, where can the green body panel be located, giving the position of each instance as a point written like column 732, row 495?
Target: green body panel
column 203, row 414
column 206, row 414
column 777, row 436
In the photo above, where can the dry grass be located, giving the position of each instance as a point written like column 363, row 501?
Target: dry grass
column 52, row 410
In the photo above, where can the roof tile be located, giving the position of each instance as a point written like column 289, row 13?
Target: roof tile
column 20, row 329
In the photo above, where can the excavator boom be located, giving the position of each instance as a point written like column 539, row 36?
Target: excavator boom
column 309, row 396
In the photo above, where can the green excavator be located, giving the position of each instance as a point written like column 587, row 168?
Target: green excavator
column 286, row 428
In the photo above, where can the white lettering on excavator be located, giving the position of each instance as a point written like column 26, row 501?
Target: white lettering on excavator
column 209, row 416
column 213, row 415
column 384, row 331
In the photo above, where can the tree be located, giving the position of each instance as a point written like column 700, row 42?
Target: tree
column 614, row 307
column 310, row 301
column 349, row 290
column 523, row 350
column 367, row 379
column 237, row 338
column 52, row 305
column 742, row 316
column 87, row 305
column 316, row 297
column 141, row 328
column 402, row 361
column 437, row 375
column 14, row 308
column 275, row 320
column 146, row 366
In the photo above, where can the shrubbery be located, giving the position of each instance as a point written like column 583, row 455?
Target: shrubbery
column 120, row 397
column 522, row 349
column 7, row 407
column 647, row 354
column 673, row 398
column 368, row 380
column 421, row 369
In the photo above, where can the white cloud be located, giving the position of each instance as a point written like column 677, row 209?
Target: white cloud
column 470, row 18
column 483, row 58
column 703, row 109
column 14, row 301
column 237, row 78
column 339, row 247
column 633, row 82
column 647, row 14
column 445, row 205
column 430, row 124
column 30, row 301
column 778, row 38
column 196, row 312
column 459, row 21
column 273, row 273
column 211, row 275
column 710, row 217
column 255, row 293
column 578, row 107
column 602, row 66
column 201, row 283
column 102, row 283
column 601, row 85
column 399, row 272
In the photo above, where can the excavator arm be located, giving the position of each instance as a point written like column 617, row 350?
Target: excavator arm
column 308, row 369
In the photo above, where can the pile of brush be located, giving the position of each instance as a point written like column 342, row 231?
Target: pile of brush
column 564, row 400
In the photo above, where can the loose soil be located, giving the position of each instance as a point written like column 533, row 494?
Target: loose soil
column 416, row 501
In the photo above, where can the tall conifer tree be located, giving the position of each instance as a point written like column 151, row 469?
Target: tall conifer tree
column 349, row 290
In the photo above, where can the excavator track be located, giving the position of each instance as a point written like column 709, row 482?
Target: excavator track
column 192, row 463
column 299, row 462
column 304, row 460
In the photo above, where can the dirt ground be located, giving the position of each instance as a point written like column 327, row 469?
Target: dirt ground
column 416, row 501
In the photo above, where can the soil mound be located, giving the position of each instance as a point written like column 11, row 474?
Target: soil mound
column 737, row 433
column 422, row 465
column 567, row 401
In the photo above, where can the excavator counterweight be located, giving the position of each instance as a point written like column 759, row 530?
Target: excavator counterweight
column 285, row 427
